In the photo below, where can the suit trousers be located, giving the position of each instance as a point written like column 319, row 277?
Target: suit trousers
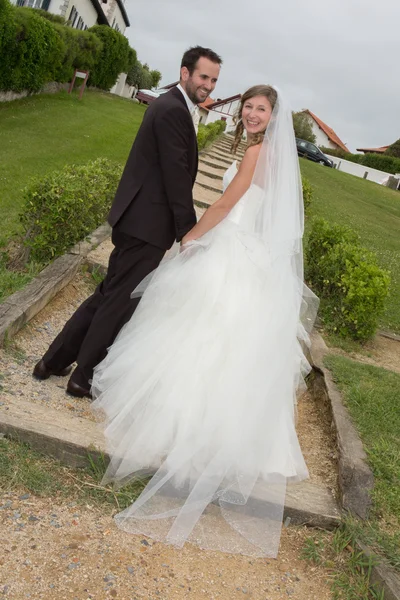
column 96, row 323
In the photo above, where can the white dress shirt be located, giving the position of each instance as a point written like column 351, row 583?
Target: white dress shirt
column 193, row 108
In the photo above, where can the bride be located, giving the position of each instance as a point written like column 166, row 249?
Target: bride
column 199, row 388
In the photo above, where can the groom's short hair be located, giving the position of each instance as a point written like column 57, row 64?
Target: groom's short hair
column 192, row 55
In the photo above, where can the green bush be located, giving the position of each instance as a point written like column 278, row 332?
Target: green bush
column 308, row 191
column 113, row 59
column 334, row 152
column 382, row 162
column 351, row 286
column 31, row 51
column 82, row 51
column 36, row 48
column 208, row 133
column 65, row 206
column 7, row 40
column 50, row 16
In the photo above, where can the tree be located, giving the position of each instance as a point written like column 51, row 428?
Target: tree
column 302, row 127
column 156, row 78
column 394, row 149
column 139, row 76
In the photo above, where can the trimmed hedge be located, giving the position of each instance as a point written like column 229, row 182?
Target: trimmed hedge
column 36, row 49
column 382, row 162
column 63, row 207
column 82, row 51
column 31, row 51
column 113, row 59
column 351, row 286
column 208, row 133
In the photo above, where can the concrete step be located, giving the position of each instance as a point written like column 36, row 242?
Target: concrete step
column 205, row 169
column 213, row 163
column 238, row 155
column 204, row 197
column 229, row 141
column 71, row 440
column 227, row 147
column 209, row 183
column 225, row 155
column 223, row 160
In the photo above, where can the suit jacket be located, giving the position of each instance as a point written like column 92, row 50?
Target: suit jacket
column 154, row 200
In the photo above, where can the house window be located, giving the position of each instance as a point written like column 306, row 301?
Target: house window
column 72, row 16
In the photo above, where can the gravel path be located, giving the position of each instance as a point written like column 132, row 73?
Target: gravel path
column 64, row 551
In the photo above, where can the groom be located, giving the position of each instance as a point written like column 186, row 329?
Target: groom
column 153, row 206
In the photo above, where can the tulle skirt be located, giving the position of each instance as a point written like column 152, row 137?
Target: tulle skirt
column 199, row 390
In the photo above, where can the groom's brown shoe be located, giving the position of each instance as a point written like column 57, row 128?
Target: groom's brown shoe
column 77, row 390
column 41, row 371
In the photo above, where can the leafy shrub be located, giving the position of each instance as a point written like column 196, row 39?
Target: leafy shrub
column 31, row 53
column 36, row 48
column 351, row 286
column 308, row 191
column 65, row 206
column 50, row 16
column 82, row 51
column 390, row 164
column 394, row 149
column 382, row 162
column 334, row 152
column 113, row 59
column 208, row 133
column 7, row 40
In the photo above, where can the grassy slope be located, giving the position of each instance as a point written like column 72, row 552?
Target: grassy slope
column 373, row 211
column 372, row 396
column 43, row 133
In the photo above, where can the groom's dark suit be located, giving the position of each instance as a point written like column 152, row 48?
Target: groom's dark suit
column 153, row 206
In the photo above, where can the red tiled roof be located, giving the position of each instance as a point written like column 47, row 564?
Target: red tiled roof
column 329, row 131
column 206, row 103
column 224, row 101
column 380, row 150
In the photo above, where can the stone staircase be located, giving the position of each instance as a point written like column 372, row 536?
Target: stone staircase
column 213, row 162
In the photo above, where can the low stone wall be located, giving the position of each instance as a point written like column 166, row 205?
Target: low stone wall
column 50, row 88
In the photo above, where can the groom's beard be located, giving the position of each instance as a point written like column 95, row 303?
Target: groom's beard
column 196, row 95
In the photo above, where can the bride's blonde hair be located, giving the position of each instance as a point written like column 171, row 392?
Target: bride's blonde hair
column 257, row 90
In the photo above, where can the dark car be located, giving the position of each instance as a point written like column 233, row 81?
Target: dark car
column 310, row 151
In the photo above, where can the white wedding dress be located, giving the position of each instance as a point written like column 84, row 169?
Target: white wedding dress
column 199, row 389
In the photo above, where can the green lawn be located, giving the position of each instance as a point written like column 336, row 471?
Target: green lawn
column 372, row 210
column 43, row 133
column 372, row 396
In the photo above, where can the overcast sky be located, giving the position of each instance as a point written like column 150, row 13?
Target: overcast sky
column 338, row 58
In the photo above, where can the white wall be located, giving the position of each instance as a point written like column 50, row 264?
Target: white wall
column 227, row 110
column 121, row 88
column 114, row 15
column 359, row 170
column 85, row 10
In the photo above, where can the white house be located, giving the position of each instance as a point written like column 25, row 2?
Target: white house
column 82, row 14
column 325, row 136
column 221, row 109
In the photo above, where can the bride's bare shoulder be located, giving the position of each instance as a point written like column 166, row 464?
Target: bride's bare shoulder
column 250, row 157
